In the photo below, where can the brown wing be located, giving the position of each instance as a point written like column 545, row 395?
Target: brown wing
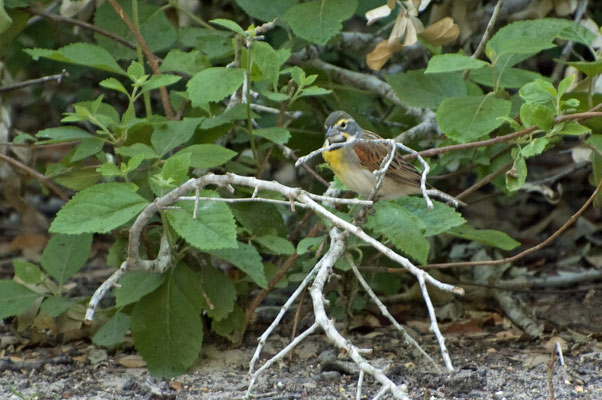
column 371, row 156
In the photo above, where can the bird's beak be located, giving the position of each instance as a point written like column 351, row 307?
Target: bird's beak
column 333, row 135
column 330, row 132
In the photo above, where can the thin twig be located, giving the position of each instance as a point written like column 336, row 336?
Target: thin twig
column 31, row 82
column 36, row 175
column 82, row 24
column 485, row 180
column 152, row 60
column 489, row 29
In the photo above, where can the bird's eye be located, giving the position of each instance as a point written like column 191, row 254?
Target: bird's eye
column 343, row 124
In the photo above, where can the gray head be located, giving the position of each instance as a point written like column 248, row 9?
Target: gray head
column 340, row 127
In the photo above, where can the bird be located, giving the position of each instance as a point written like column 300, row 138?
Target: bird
column 355, row 164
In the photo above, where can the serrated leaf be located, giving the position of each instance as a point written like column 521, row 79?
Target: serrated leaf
column 175, row 168
column 319, row 21
column 578, row 33
column 136, row 284
column 486, row 236
column 114, row 84
column 137, row 150
column 87, row 148
column 99, row 209
column 247, row 259
column 537, row 115
column 439, row 219
column 402, row 228
column 173, row 134
column 275, row 134
column 415, row 89
column 539, row 92
column 590, row 68
column 167, row 327
column 189, row 62
column 452, row 63
column 113, row 331
column 213, row 84
column 27, row 272
column 260, row 218
column 219, row 291
column 572, row 128
column 78, row 179
column 314, row 91
column 207, row 155
column 308, row 243
column 512, row 78
column 87, row 54
column 54, row 306
column 228, row 24
column 267, row 60
column 64, row 255
column 465, row 119
column 108, row 169
column 276, row 244
column 15, row 299
column 214, row 227
column 564, row 85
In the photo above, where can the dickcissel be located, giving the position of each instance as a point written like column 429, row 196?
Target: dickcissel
column 355, row 164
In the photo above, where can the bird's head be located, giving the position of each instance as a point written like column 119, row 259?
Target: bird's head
column 341, row 127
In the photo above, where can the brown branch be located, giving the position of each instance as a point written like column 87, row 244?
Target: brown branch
column 31, row 82
column 504, row 138
column 82, row 24
column 36, row 175
column 152, row 60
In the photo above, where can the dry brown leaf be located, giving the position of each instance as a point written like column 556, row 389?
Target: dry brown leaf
column 441, row 32
column 381, row 54
column 399, row 29
column 535, row 10
column 551, row 344
column 132, row 361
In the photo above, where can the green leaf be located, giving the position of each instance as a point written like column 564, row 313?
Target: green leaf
column 107, row 169
column 260, row 218
column 228, row 24
column 15, row 299
column 114, row 84
column 189, row 62
column 441, row 218
column 175, row 169
column 276, row 244
column 486, row 236
column 87, row 148
column 214, row 227
column 157, row 81
column 137, row 150
column 265, row 10
column 535, row 147
column 99, row 208
column 267, row 60
column 313, row 91
column 590, row 68
column 465, row 119
column 232, row 327
column 402, row 228
column 275, row 134
column 62, row 134
column 154, row 26
column 173, row 134
column 64, row 255
column 571, row 128
column 453, row 62
column 516, row 177
column 308, row 244
column 539, row 92
column 319, row 21
column 578, row 33
column 416, row 89
column 86, row 54
column 207, row 155
column 247, row 259
column 5, row 19
column 27, row 272
column 512, row 78
column 219, row 293
column 213, row 84
column 134, row 285
column 78, row 179
column 564, row 85
column 113, row 331
column 54, row 306
column 167, row 327
column 537, row 115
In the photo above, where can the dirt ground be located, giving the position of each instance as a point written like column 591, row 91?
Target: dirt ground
column 492, row 359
